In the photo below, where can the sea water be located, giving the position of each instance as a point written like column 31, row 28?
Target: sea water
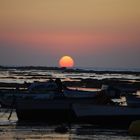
column 20, row 76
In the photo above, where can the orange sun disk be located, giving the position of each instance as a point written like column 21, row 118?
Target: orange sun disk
column 66, row 61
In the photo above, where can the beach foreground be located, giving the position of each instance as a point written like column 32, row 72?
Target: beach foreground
column 11, row 130
column 88, row 80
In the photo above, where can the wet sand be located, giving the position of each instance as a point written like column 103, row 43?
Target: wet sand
column 12, row 130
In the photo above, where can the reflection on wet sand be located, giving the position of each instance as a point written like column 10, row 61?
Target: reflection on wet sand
column 12, row 130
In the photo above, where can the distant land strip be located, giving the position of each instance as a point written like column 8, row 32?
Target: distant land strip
column 64, row 69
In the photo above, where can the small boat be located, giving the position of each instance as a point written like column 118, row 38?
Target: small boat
column 106, row 114
column 43, row 101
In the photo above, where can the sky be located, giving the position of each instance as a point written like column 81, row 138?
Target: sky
column 95, row 33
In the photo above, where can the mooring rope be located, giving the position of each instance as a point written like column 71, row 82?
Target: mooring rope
column 12, row 107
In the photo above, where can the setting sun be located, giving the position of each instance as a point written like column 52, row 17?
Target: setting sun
column 66, row 61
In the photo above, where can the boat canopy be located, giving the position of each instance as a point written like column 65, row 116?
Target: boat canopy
column 44, row 86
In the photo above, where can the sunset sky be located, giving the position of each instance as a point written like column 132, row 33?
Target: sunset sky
column 95, row 33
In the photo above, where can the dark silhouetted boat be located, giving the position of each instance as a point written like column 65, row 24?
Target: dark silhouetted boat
column 43, row 102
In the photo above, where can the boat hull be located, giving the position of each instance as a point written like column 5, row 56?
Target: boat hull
column 49, row 115
column 68, row 116
column 106, row 114
column 119, row 121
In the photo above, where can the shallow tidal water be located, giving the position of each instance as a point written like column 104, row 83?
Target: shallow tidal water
column 20, row 76
column 12, row 130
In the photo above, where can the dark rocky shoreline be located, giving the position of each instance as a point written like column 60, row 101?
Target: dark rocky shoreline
column 63, row 69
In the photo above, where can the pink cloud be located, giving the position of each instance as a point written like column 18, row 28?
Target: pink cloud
column 71, row 41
